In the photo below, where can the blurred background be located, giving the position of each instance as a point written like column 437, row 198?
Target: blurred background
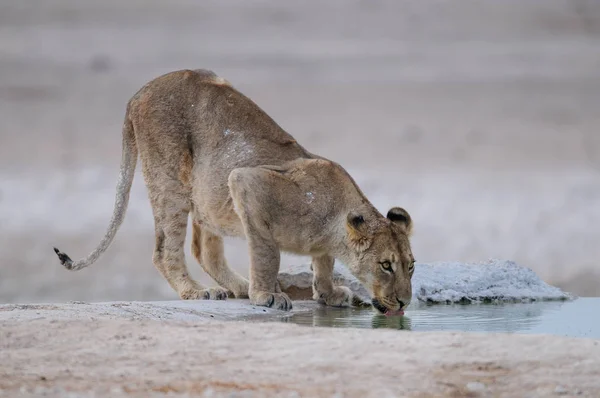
column 481, row 118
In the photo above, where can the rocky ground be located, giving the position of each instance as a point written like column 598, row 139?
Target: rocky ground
column 100, row 352
column 481, row 118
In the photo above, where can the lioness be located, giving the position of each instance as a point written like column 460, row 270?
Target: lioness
column 208, row 150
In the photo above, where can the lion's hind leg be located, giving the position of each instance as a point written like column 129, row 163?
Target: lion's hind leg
column 209, row 250
column 170, row 206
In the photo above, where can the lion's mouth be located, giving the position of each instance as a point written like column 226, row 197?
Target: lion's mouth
column 384, row 310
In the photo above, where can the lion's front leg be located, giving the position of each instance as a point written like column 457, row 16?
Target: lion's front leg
column 323, row 289
column 264, row 267
column 244, row 185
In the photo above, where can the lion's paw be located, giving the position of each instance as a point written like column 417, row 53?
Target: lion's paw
column 213, row 293
column 340, row 296
column 278, row 301
column 241, row 290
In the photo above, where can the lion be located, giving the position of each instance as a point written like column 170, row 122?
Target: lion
column 209, row 151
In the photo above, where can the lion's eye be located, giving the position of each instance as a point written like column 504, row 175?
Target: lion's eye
column 386, row 266
column 411, row 267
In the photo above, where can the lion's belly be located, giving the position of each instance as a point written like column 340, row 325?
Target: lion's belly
column 224, row 223
column 213, row 208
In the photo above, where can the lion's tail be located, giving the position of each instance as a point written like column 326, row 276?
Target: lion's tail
column 128, row 163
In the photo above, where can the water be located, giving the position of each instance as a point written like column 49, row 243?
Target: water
column 575, row 318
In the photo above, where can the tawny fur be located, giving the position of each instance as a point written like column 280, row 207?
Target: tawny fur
column 210, row 152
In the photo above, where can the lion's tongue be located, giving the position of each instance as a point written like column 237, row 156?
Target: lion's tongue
column 394, row 313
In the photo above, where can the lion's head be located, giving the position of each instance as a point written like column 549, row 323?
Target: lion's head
column 381, row 256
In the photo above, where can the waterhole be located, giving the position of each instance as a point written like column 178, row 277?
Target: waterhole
column 575, row 318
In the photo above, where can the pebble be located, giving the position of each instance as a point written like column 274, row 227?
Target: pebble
column 560, row 390
column 476, row 386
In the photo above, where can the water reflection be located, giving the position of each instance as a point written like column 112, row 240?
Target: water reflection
column 511, row 318
column 391, row 322
column 349, row 317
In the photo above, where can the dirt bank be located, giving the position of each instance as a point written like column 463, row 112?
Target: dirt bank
column 95, row 354
column 479, row 117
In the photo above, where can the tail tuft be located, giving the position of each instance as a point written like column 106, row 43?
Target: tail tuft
column 126, row 173
column 64, row 259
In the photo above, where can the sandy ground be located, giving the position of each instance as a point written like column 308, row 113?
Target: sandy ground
column 176, row 310
column 91, row 353
column 481, row 118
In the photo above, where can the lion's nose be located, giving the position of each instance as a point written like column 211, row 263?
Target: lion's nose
column 400, row 302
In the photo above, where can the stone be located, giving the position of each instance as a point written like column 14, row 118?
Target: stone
column 296, row 280
column 475, row 386
column 560, row 390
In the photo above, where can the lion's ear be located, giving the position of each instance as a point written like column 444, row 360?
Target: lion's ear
column 401, row 217
column 357, row 231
